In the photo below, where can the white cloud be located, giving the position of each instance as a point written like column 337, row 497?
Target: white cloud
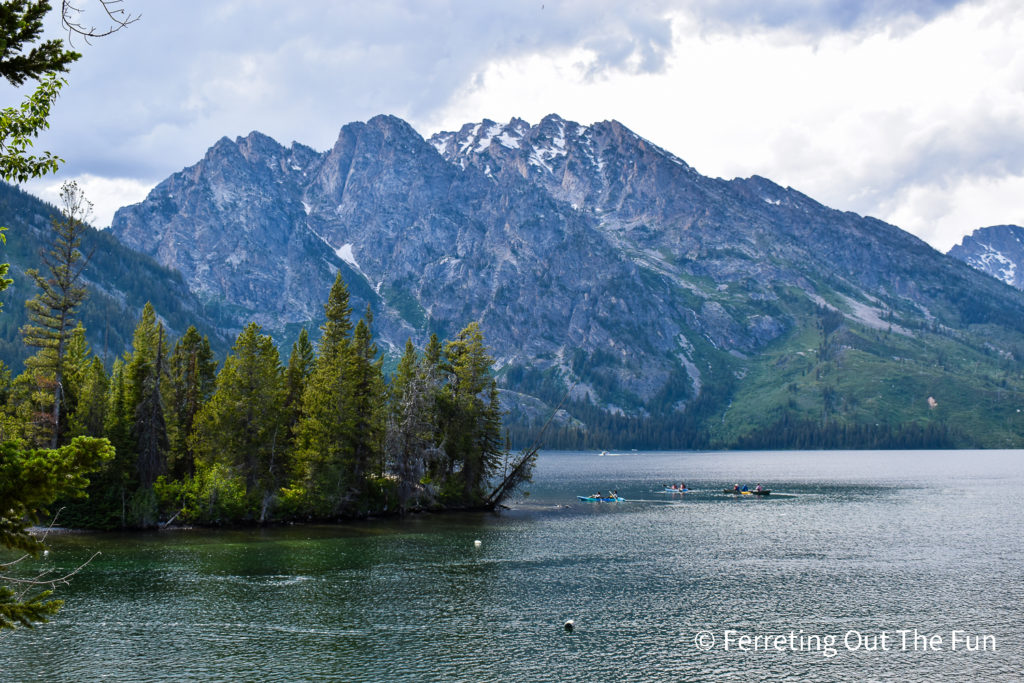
column 938, row 214
column 106, row 194
column 873, row 123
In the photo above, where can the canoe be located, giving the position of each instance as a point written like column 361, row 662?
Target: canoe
column 762, row 492
column 668, row 490
column 591, row 499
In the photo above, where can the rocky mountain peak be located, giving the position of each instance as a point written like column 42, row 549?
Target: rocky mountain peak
column 598, row 262
column 997, row 250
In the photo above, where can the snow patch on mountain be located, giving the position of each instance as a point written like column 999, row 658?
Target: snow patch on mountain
column 344, row 252
column 998, row 264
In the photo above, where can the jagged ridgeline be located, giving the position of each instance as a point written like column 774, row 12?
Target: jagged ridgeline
column 997, row 250
column 119, row 280
column 676, row 310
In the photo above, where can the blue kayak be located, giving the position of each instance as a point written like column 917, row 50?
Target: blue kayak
column 670, row 490
column 592, row 499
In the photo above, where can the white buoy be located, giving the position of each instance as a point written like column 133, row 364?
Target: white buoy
column 477, row 543
column 570, row 626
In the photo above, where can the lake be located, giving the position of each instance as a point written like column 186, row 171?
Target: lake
column 860, row 565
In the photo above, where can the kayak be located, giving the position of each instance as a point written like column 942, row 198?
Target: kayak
column 762, row 492
column 592, row 499
column 668, row 490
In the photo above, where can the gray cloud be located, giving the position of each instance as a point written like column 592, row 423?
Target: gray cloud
column 819, row 17
column 990, row 147
column 153, row 97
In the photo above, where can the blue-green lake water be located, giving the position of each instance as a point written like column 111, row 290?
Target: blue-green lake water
column 830, row 578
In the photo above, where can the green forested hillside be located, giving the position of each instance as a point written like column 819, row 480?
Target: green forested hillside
column 120, row 282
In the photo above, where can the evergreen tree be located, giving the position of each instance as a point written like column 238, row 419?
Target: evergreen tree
column 240, row 427
column 471, row 415
column 113, row 486
column 90, row 415
column 300, row 365
column 143, row 404
column 366, row 404
column 323, row 433
column 30, row 480
column 337, row 328
column 77, row 361
column 21, row 23
column 150, row 423
column 409, row 436
column 51, row 312
column 193, row 376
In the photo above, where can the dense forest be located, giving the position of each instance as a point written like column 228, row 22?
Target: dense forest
column 322, row 436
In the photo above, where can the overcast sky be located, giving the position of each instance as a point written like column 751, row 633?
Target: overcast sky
column 908, row 110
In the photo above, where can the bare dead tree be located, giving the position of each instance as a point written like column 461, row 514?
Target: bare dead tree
column 518, row 470
column 77, row 18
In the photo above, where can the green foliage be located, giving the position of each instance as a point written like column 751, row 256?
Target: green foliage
column 327, row 437
column 216, row 495
column 121, row 283
column 21, row 23
column 331, row 455
column 52, row 310
column 193, row 374
column 240, row 427
column 17, row 610
column 470, row 416
column 19, row 126
column 30, row 480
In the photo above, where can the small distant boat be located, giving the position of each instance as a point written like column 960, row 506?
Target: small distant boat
column 762, row 492
column 592, row 499
column 669, row 489
column 602, row 453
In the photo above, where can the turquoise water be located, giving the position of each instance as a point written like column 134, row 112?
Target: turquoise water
column 862, row 547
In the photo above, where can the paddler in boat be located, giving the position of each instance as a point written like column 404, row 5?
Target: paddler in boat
column 736, row 488
column 758, row 488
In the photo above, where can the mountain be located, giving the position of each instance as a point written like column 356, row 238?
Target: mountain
column 120, row 281
column 673, row 309
column 997, row 250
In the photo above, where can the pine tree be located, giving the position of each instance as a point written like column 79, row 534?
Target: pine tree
column 30, row 480
column 471, row 412
column 300, row 365
column 143, row 404
column 150, row 423
column 409, row 436
column 21, row 23
column 193, row 376
column 337, row 328
column 51, row 312
column 90, row 415
column 240, row 427
column 324, row 428
column 366, row 403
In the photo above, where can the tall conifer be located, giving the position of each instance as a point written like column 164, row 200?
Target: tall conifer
column 51, row 312
column 193, row 376
column 240, row 427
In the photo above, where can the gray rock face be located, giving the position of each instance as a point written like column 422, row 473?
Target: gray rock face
column 997, row 251
column 593, row 258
